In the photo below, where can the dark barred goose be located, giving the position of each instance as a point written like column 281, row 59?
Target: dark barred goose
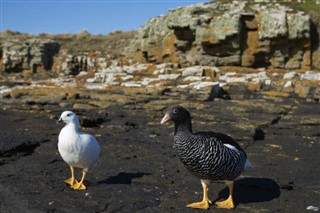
column 209, row 156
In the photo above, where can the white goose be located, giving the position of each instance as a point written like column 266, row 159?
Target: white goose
column 78, row 149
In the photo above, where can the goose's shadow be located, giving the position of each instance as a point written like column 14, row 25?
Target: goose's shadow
column 123, row 178
column 252, row 190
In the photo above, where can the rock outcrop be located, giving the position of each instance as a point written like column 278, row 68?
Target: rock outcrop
column 247, row 33
column 237, row 50
column 241, row 33
column 33, row 54
column 62, row 53
column 73, row 64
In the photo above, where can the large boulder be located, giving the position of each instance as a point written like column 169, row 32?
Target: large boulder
column 238, row 33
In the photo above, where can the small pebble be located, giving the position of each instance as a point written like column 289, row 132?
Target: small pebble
column 313, row 208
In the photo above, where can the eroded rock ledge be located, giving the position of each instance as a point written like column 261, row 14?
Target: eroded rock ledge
column 238, row 33
column 198, row 82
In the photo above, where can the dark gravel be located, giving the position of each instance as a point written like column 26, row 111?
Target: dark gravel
column 138, row 170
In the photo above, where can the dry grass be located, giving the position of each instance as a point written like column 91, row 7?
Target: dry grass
column 111, row 45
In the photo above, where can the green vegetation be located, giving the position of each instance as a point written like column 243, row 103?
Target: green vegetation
column 308, row 5
column 304, row 5
column 295, row 4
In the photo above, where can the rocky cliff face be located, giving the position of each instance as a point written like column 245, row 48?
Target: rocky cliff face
column 223, row 33
column 32, row 54
column 63, row 53
column 241, row 33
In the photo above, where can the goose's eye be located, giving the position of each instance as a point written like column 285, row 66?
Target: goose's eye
column 68, row 115
column 175, row 111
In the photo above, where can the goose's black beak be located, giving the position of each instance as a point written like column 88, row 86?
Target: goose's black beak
column 59, row 121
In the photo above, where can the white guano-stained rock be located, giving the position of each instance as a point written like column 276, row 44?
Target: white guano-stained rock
column 311, row 75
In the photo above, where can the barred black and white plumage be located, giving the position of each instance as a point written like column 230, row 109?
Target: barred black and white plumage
column 207, row 158
column 208, row 155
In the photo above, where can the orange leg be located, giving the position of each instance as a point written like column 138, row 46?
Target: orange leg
column 80, row 185
column 228, row 203
column 204, row 204
column 71, row 181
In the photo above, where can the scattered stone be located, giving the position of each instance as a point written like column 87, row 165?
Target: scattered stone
column 313, row 208
column 214, row 85
column 290, row 75
column 193, row 71
column 311, row 75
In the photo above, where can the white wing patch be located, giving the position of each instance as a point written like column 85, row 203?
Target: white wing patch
column 231, row 147
column 247, row 164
